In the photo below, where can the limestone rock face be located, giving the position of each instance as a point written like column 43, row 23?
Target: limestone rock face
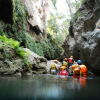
column 37, row 14
column 39, row 63
column 10, row 62
column 83, row 41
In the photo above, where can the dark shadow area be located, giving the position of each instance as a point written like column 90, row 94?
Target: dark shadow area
column 6, row 11
column 71, row 30
column 35, row 29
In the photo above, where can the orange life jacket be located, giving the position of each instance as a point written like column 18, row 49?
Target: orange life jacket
column 83, row 70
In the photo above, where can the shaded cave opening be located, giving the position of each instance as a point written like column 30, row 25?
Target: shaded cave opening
column 35, row 29
column 6, row 11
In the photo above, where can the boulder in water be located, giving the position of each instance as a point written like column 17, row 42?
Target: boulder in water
column 39, row 63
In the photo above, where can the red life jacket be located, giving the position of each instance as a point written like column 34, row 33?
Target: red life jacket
column 64, row 72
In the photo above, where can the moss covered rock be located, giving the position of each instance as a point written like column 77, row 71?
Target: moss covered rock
column 10, row 61
column 15, row 59
column 39, row 63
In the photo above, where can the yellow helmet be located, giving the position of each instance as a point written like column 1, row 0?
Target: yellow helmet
column 63, row 68
column 53, row 66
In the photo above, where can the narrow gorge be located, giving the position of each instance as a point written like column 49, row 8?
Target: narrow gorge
column 25, row 21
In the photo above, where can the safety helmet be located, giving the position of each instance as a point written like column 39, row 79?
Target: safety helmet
column 63, row 68
column 79, row 62
column 53, row 66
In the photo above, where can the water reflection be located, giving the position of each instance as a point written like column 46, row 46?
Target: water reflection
column 75, row 82
column 83, row 81
column 48, row 87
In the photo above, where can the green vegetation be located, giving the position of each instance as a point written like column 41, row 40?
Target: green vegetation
column 13, row 44
column 10, row 42
column 17, row 29
column 82, row 1
column 48, row 47
column 7, row 44
column 57, row 27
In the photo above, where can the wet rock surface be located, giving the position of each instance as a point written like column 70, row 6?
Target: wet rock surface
column 37, row 14
column 83, row 41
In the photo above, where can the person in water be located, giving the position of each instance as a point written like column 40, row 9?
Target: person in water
column 53, row 69
column 63, row 71
column 63, row 68
column 58, row 65
column 70, row 61
column 81, row 69
column 71, row 68
column 65, row 63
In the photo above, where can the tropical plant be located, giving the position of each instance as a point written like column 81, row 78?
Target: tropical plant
column 7, row 43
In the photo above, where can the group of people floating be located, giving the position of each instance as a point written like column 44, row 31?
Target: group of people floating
column 69, row 67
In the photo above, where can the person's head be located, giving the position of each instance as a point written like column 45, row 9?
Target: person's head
column 79, row 62
column 65, row 59
column 71, row 56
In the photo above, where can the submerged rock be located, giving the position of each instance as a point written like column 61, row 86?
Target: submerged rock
column 83, row 41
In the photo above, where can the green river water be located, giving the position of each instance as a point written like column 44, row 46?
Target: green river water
column 49, row 87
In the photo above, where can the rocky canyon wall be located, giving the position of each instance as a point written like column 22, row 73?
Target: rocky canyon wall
column 83, row 41
column 37, row 14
